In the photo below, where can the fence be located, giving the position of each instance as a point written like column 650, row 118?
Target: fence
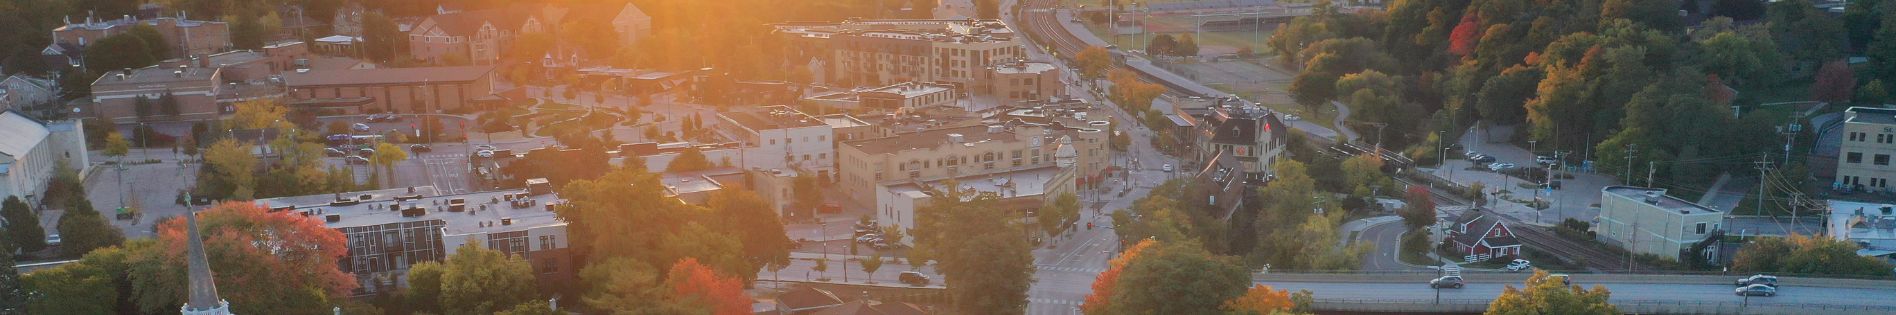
column 1625, row 306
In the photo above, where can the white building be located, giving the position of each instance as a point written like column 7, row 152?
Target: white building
column 1019, row 190
column 30, row 150
column 1647, row 221
column 1869, row 225
column 779, row 137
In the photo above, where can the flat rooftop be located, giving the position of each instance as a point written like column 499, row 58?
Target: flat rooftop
column 679, row 183
column 1021, row 183
column 381, row 208
column 170, row 77
column 913, row 89
column 1663, row 200
column 1876, row 223
column 842, row 121
column 388, row 76
column 772, row 118
column 1871, row 115
column 929, row 139
column 1024, row 67
column 961, row 31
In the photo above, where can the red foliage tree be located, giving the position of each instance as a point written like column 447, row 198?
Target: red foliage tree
column 1835, row 83
column 1717, row 91
column 1461, row 40
column 265, row 262
column 1261, row 299
column 692, row 282
column 1101, row 298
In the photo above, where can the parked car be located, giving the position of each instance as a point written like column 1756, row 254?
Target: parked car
column 1167, row 167
column 488, row 147
column 1454, row 282
column 357, row 160
column 1518, row 265
column 359, row 127
column 365, row 152
column 485, row 153
column 1483, row 159
column 913, row 278
column 1470, row 154
column 1768, row 280
column 334, row 152
column 1500, row 166
column 52, row 240
column 867, row 238
column 1545, row 160
column 391, row 117
column 1564, row 278
column 420, row 148
column 1756, row 290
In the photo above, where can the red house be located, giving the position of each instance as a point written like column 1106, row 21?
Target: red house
column 1482, row 235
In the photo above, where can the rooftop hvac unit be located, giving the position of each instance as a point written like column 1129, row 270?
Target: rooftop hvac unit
column 333, row 218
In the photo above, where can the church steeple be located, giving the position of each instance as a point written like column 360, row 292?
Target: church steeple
column 203, row 300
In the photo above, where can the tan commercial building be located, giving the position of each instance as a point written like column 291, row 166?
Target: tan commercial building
column 962, row 152
column 182, row 92
column 182, row 36
column 908, row 96
column 1647, row 221
column 1018, row 82
column 881, row 52
column 1869, row 142
column 399, row 90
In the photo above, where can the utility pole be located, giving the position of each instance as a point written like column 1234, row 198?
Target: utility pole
column 1628, row 168
column 1651, row 167
column 1629, row 250
column 1764, row 167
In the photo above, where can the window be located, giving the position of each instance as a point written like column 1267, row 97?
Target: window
column 773, row 141
column 821, row 156
column 1882, row 159
column 822, row 138
column 1701, row 228
column 1853, row 157
column 806, row 157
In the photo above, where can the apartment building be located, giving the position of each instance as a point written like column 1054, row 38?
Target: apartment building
column 1019, row 82
column 780, row 137
column 183, row 36
column 399, row 90
column 392, row 229
column 1252, row 135
column 963, row 152
column 1869, row 140
column 1647, row 221
column 908, row 96
column 882, row 52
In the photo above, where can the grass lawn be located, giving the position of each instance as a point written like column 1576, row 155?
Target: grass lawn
column 1208, row 42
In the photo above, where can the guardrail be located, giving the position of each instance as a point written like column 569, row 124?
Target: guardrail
column 1625, row 306
column 1578, row 277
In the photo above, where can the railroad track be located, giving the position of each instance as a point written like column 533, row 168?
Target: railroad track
column 1586, row 255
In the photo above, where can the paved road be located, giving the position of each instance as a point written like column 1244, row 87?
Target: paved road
column 1682, row 294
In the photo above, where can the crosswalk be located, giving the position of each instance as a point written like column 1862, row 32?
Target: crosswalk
column 1069, row 269
column 1039, row 306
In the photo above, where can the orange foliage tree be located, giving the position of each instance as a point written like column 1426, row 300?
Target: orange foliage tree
column 1261, row 299
column 693, row 283
column 1101, row 298
column 265, row 262
column 1461, row 41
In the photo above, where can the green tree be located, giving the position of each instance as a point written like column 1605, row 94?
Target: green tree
column 23, row 225
column 1187, row 46
column 154, row 41
column 1054, row 216
column 804, row 191
column 1162, row 45
column 381, row 38
column 1806, row 32
column 987, row 263
column 229, row 171
column 534, row 307
column 1364, row 175
column 750, row 218
column 1807, row 255
column 14, row 294
column 1093, row 62
column 870, row 266
column 116, row 146
column 477, row 280
column 424, row 286
column 1178, row 279
column 86, row 287
column 118, row 52
column 1543, row 295
column 1500, row 98
column 625, row 286
column 690, row 160
column 386, row 155
column 83, row 229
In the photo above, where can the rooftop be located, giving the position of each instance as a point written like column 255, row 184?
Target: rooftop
column 1023, row 67
column 1865, row 222
column 1020, row 183
column 22, row 133
column 170, row 77
column 842, row 121
column 960, row 31
column 1658, row 198
column 913, row 89
column 483, row 212
column 929, row 139
column 1871, row 115
column 679, row 183
column 772, row 118
column 387, row 76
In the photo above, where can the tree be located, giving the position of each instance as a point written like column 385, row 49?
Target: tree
column 534, row 307
column 625, row 286
column 1260, row 300
column 987, row 263
column 381, row 38
column 14, row 295
column 1162, row 45
column 694, row 284
column 870, row 266
column 1500, row 98
column 1807, row 255
column 1364, row 175
column 116, row 146
column 23, row 225
column 1156, row 282
column 83, row 229
column 386, row 155
column 804, row 191
column 229, row 171
column 1419, row 212
column 1806, row 32
column 90, row 286
column 1093, row 62
column 477, row 280
column 424, row 286
column 1104, row 286
column 1187, row 46
column 1836, row 83
column 1462, row 40
column 1873, row 93
column 155, row 44
column 750, row 218
column 266, row 262
column 1543, row 295
column 1054, row 216
column 258, row 114
column 118, row 52
column 690, row 160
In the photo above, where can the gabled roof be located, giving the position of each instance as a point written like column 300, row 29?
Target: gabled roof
column 470, row 22
column 22, row 134
column 1477, row 225
column 807, row 298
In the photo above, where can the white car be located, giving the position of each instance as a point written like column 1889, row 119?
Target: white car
column 1167, row 167
column 1518, row 265
column 485, row 153
column 1500, row 166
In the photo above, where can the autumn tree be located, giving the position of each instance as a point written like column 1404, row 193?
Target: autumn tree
column 116, row 146
column 1187, row 46
column 386, row 155
column 424, row 286
column 1462, row 40
column 82, row 229
column 1151, row 283
column 695, row 284
column 691, row 159
column 750, row 218
column 259, row 114
column 870, row 266
column 1807, row 255
column 266, row 262
column 1093, row 62
column 1541, row 294
column 1836, row 83
column 26, row 235
column 1260, row 300
column 1419, row 210
column 987, row 263
column 1162, row 45
column 1104, row 285
column 1054, row 216
column 228, row 171
column 478, row 280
